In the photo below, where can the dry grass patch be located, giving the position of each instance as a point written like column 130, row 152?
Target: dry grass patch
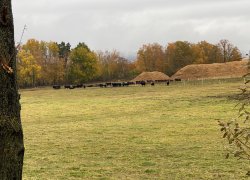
column 210, row 71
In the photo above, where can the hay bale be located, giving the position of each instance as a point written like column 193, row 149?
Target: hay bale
column 156, row 75
column 210, row 71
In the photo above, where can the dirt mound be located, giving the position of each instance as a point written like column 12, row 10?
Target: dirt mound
column 151, row 76
column 210, row 71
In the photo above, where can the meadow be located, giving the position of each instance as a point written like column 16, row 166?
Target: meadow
column 160, row 132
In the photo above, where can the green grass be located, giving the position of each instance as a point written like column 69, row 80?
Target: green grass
column 160, row 132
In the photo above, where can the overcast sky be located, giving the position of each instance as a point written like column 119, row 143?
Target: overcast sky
column 125, row 25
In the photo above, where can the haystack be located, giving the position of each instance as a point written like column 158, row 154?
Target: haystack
column 210, row 71
column 151, row 76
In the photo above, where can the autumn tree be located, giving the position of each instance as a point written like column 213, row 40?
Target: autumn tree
column 102, row 65
column 46, row 55
column 29, row 71
column 122, row 67
column 217, row 56
column 38, row 51
column 110, row 62
column 177, row 56
column 112, row 65
column 229, row 51
column 233, row 53
column 132, row 68
column 198, row 55
column 11, row 132
column 208, row 52
column 56, row 64
column 32, row 46
column 183, row 51
column 150, row 57
column 84, row 66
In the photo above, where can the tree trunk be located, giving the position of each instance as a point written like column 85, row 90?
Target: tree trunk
column 11, row 133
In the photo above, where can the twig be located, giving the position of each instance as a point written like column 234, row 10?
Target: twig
column 5, row 64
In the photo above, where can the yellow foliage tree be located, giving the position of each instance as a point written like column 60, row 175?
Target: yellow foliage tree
column 198, row 55
column 32, row 46
column 28, row 70
column 150, row 57
column 46, row 56
column 208, row 52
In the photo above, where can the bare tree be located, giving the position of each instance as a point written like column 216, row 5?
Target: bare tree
column 223, row 43
column 11, row 132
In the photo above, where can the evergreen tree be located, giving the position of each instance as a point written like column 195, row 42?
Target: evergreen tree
column 64, row 52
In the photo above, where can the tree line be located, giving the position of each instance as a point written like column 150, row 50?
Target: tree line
column 176, row 55
column 47, row 63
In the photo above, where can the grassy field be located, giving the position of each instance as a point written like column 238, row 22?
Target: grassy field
column 160, row 132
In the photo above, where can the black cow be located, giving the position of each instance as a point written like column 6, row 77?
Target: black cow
column 56, row 87
column 125, row 84
column 101, row 85
column 108, row 84
column 79, row 85
column 116, row 84
column 130, row 82
column 84, row 86
column 143, row 83
column 152, row 84
column 167, row 83
column 66, row 87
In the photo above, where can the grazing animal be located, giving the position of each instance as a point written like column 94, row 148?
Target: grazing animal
column 167, row 83
column 79, row 85
column 101, row 85
column 152, row 84
column 125, row 84
column 66, row 87
column 143, row 83
column 116, row 84
column 84, row 86
column 56, row 87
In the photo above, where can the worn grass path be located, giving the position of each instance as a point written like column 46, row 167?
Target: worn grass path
column 129, row 133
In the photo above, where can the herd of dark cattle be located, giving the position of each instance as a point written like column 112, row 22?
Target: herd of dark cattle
column 143, row 83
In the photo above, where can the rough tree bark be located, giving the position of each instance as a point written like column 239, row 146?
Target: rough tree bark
column 11, row 133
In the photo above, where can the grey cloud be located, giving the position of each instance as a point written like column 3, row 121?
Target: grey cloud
column 127, row 25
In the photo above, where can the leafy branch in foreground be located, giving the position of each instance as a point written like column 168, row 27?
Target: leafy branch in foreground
column 238, row 134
